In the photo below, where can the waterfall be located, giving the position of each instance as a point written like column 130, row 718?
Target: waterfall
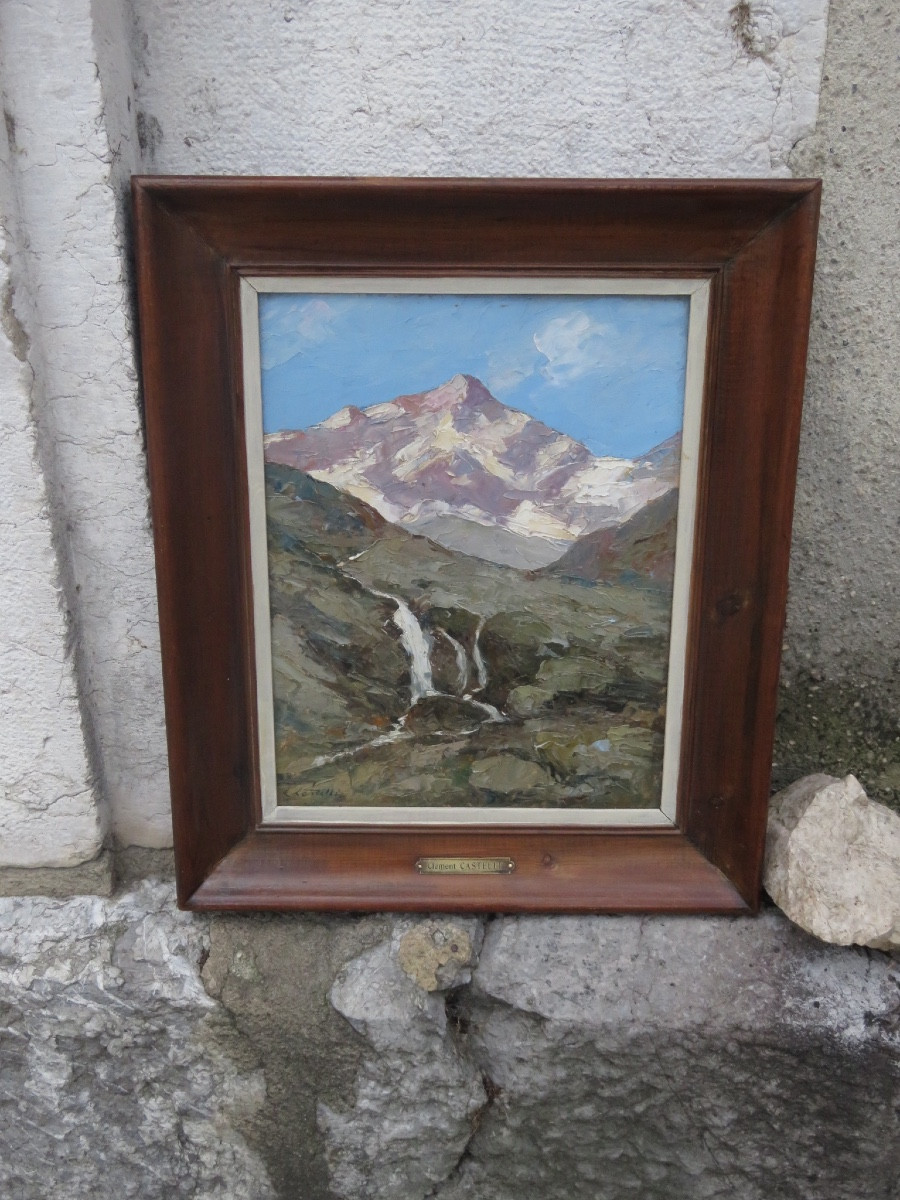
column 478, row 659
column 462, row 663
column 417, row 644
column 494, row 714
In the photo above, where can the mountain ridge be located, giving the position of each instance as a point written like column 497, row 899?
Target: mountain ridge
column 643, row 546
column 457, row 465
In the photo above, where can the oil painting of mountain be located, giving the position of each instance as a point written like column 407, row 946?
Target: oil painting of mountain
column 471, row 506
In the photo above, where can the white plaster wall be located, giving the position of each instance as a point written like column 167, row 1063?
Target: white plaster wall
column 70, row 297
column 405, row 87
column 48, row 813
column 647, row 87
column 651, row 87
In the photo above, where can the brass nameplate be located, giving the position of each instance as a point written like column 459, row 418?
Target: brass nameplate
column 465, row 866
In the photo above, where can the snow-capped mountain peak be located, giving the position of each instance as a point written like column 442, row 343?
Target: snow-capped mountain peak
column 455, row 463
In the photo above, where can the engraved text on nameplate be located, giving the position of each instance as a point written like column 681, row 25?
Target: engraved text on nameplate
column 465, row 866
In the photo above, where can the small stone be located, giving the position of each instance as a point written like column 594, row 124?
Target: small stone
column 506, row 774
column 833, row 862
column 437, row 956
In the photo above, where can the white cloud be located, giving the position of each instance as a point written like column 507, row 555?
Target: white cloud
column 314, row 324
column 574, row 345
column 288, row 327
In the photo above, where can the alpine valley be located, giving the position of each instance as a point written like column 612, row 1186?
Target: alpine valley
column 468, row 608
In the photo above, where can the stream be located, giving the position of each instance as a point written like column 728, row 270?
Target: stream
column 418, row 646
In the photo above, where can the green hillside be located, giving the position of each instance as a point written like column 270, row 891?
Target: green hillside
column 566, row 710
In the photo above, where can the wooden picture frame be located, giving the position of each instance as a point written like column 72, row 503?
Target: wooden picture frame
column 749, row 246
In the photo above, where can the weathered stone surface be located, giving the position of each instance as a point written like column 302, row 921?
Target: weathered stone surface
column 70, row 296
column 647, row 88
column 660, row 1058
column 838, row 728
column 833, row 862
column 587, row 1058
column 272, row 974
column 48, row 811
column 416, row 1097
column 842, row 632
column 94, row 878
column 114, row 1082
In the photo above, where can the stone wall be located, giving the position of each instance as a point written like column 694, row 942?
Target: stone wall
column 149, row 1054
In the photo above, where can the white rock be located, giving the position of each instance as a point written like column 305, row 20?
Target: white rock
column 113, row 1083
column 417, row 1096
column 833, row 862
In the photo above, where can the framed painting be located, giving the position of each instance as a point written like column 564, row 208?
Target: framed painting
column 472, row 510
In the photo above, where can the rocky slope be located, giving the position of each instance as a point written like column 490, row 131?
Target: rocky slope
column 641, row 548
column 408, row 673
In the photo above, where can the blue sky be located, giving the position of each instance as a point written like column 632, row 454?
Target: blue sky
column 606, row 370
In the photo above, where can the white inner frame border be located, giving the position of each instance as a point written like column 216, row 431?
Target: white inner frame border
column 698, row 291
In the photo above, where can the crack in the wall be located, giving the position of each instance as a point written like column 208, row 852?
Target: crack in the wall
column 149, row 134
column 629, row 1082
column 458, row 1027
column 419, row 1097
column 466, row 1156
column 272, row 973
